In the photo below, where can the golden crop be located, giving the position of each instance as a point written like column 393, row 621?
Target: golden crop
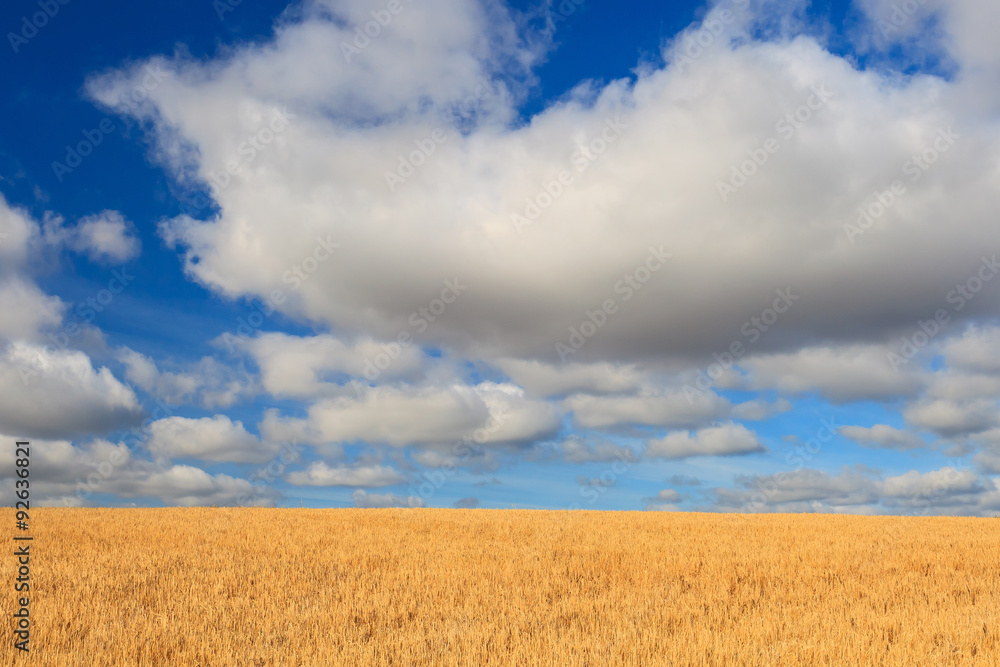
column 292, row 587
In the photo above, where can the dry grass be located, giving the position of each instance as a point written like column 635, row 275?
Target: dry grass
column 478, row 587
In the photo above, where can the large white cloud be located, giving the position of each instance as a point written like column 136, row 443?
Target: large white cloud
column 682, row 128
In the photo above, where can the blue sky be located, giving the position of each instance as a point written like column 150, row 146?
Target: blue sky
column 646, row 181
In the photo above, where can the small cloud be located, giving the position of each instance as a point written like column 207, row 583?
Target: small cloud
column 373, row 500
column 466, row 503
column 583, row 480
column 684, row 480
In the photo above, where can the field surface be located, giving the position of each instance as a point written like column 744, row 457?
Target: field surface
column 293, row 587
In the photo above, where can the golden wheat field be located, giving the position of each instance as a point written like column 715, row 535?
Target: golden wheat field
column 491, row 587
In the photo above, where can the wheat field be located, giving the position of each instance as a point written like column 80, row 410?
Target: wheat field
column 489, row 587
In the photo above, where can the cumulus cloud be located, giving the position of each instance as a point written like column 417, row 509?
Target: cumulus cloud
column 577, row 450
column 429, row 416
column 209, row 439
column 882, row 436
column 362, row 498
column 664, row 501
column 106, row 237
column 801, row 490
column 673, row 409
column 684, row 480
column 295, row 366
column 58, row 393
column 208, row 382
column 842, row 375
column 66, row 474
column 466, row 503
column 453, row 216
column 952, row 418
column 320, row 474
column 547, row 380
column 725, row 440
column 855, row 490
column 977, row 350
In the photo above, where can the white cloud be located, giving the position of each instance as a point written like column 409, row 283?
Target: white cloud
column 320, row 474
column 58, row 393
column 427, row 416
column 725, row 440
column 208, row 382
column 882, row 435
column 977, row 350
column 672, row 409
column 64, row 474
column 657, row 184
column 801, row 491
column 842, row 375
column 952, row 418
column 25, row 309
column 576, row 450
column 293, row 366
column 546, row 380
column 855, row 491
column 105, row 237
column 209, row 439
column 364, row 499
